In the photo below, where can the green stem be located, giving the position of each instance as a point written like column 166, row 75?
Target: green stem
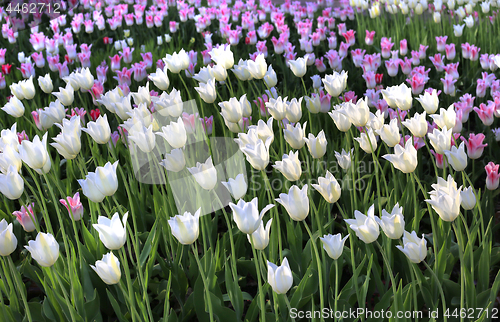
column 290, row 307
column 124, row 261
column 259, row 281
column 336, row 284
column 231, row 239
column 19, row 284
column 134, row 314
column 391, row 275
column 276, row 217
column 205, row 283
column 443, row 299
column 65, row 293
column 320, row 273
column 458, row 234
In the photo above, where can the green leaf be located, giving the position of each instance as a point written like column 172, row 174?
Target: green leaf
column 306, row 288
column 92, row 308
column 47, row 310
column 147, row 246
column 116, row 306
column 234, row 292
column 36, row 311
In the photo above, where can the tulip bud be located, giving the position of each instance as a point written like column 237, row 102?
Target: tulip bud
column 389, row 133
column 344, row 159
column 280, row 278
column 294, row 135
column 414, row 248
column 160, row 79
column 446, row 199
column 341, row 120
column 417, row 125
column 429, row 101
column 457, row 157
column 468, row 199
column 74, row 206
column 10, row 157
column 277, row 108
column 44, row 249
column 112, row 233
column 298, row 66
column 440, row 139
column 296, row 202
column 290, row 166
column 393, row 224
column 404, row 159
column 358, row 114
column 446, row 118
column 205, row 174
column 328, row 187
column 293, row 110
column 175, row 134
column 367, row 142
column 108, row 269
column 68, row 142
column 333, row 245
column 8, row 241
column 85, row 79
column 365, row 227
column 223, row 56
column 247, row 216
column 231, row 110
column 65, row 95
column 316, row 145
column 335, row 84
column 260, row 237
column 237, row 186
column 270, row 77
column 11, row 184
column 143, row 137
column 186, row 227
column 174, row 161
column 258, row 67
column 14, row 107
column 398, row 97
column 257, row 154
column 99, row 130
column 207, row 91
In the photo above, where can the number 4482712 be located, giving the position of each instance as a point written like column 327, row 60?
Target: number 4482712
column 32, row 8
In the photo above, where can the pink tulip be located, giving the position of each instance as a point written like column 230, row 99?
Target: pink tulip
column 441, row 43
column 440, row 160
column 127, row 55
column 26, row 217
column 449, row 85
column 492, row 176
column 386, row 46
column 486, row 113
column 450, row 51
column 75, row 205
column 475, row 146
column 481, row 88
column 403, row 47
column 437, row 61
column 406, row 65
column 369, row 37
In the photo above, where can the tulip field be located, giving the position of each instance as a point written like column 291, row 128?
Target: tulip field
column 229, row 160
